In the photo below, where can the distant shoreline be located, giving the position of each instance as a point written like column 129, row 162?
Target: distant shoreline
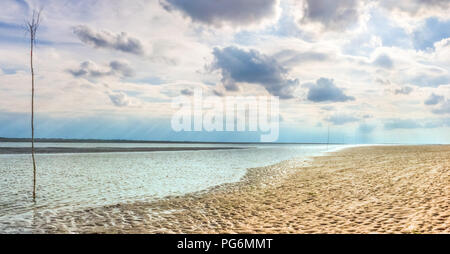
column 59, row 150
column 63, row 140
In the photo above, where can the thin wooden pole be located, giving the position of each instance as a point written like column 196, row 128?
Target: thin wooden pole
column 32, row 27
column 32, row 114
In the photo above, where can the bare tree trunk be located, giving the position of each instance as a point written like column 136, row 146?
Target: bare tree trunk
column 32, row 118
column 32, row 27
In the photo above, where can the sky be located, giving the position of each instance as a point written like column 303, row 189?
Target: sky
column 370, row 71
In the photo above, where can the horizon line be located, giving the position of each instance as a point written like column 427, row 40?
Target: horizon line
column 93, row 140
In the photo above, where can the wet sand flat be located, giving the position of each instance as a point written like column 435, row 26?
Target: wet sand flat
column 378, row 189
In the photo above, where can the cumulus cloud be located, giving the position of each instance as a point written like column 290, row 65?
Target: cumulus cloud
column 430, row 80
column 121, row 67
column 404, row 90
column 187, row 92
column 443, row 109
column 104, row 39
column 340, row 119
column 402, row 124
column 217, row 92
column 327, row 108
column 420, row 8
column 434, row 99
column 324, row 90
column 416, row 124
column 220, row 12
column 384, row 61
column 332, row 14
column 437, row 123
column 238, row 65
column 119, row 99
column 366, row 128
column 89, row 69
column 292, row 57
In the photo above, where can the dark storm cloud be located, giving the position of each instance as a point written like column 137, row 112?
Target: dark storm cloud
column 218, row 12
column 103, row 39
column 325, row 90
column 332, row 14
column 434, row 99
column 239, row 65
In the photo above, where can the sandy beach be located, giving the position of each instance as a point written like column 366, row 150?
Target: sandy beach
column 378, row 189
